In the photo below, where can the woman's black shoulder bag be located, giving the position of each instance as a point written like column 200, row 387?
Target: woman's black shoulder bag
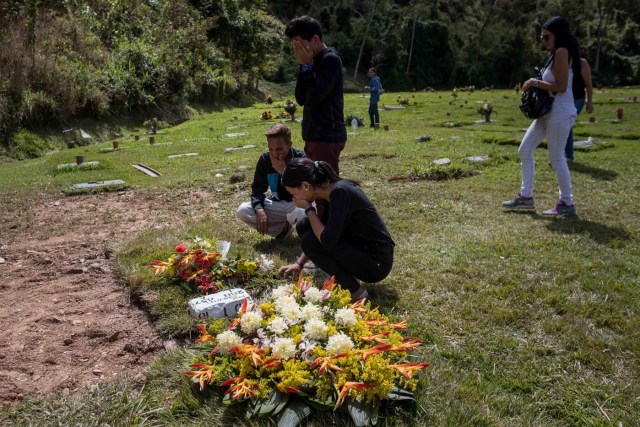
column 536, row 102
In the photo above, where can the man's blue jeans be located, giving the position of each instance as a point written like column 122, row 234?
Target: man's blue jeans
column 568, row 149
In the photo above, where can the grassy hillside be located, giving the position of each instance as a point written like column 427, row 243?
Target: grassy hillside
column 526, row 320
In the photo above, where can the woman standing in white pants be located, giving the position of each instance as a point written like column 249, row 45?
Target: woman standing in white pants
column 557, row 78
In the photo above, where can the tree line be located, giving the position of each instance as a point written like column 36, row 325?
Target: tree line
column 62, row 59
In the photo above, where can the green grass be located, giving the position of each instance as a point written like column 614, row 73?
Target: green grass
column 526, row 320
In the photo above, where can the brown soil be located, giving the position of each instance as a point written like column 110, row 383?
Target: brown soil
column 66, row 323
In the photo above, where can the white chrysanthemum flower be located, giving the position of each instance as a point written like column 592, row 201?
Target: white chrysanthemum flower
column 250, row 322
column 283, row 348
column 339, row 343
column 346, row 317
column 311, row 311
column 281, row 291
column 277, row 326
column 265, row 263
column 227, row 340
column 289, row 309
column 313, row 294
column 316, row 329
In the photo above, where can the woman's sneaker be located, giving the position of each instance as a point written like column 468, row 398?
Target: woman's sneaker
column 561, row 209
column 519, row 202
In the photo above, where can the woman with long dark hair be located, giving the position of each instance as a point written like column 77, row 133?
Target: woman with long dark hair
column 557, row 78
column 350, row 241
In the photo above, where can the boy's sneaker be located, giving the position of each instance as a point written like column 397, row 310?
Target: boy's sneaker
column 519, row 202
column 561, row 209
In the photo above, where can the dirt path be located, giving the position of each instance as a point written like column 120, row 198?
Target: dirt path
column 65, row 321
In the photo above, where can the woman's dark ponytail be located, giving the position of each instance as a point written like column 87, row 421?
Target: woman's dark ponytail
column 303, row 169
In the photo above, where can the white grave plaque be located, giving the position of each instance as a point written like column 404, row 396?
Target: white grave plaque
column 222, row 304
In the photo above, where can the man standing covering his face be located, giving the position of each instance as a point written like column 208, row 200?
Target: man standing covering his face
column 319, row 90
column 275, row 215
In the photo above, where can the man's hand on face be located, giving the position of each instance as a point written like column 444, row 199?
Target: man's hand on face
column 302, row 51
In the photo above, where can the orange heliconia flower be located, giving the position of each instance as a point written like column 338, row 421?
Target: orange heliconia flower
column 329, row 284
column 346, row 388
column 359, row 307
column 377, row 322
column 406, row 346
column 303, row 284
column 159, row 266
column 373, row 350
column 241, row 387
column 243, row 349
column 205, row 334
column 326, row 363
column 376, row 337
column 407, row 369
column 272, row 363
column 401, row 325
column 204, row 372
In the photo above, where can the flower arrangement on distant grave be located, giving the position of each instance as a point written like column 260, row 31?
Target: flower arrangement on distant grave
column 402, row 101
column 266, row 115
column 269, row 100
column 306, row 348
column 290, row 107
column 485, row 108
column 201, row 265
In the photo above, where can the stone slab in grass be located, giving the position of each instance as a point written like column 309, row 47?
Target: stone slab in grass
column 244, row 147
column 441, row 162
column 478, row 159
column 484, row 121
column 177, row 156
column 84, row 165
column 393, row 107
column 98, row 184
column 233, row 135
column 160, row 143
column 588, row 143
column 146, row 169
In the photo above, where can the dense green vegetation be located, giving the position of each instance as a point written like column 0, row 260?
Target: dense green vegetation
column 526, row 320
column 106, row 58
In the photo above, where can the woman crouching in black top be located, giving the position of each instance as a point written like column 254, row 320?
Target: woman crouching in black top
column 350, row 241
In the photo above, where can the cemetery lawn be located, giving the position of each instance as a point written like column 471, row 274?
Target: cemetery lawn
column 525, row 319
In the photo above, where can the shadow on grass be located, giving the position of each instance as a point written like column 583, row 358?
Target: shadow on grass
column 595, row 172
column 600, row 233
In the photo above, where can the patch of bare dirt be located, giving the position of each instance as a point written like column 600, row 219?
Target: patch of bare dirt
column 65, row 321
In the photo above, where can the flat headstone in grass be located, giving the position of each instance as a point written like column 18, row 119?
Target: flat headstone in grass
column 441, row 162
column 590, row 142
column 484, row 121
column 233, row 135
column 177, row 156
column 160, row 143
column 146, row 169
column 244, row 147
column 478, row 159
column 204, row 138
column 393, row 107
column 218, row 175
column 75, row 166
column 98, row 184
column 243, row 167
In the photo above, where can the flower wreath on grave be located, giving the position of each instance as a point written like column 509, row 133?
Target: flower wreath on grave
column 307, row 348
column 485, row 108
column 203, row 265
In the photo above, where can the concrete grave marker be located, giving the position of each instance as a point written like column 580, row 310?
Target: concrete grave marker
column 97, row 184
column 177, row 156
column 482, row 158
column 78, row 166
column 147, row 170
column 244, row 147
column 233, row 135
column 441, row 162
column 590, row 142
column 222, row 304
column 394, row 107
